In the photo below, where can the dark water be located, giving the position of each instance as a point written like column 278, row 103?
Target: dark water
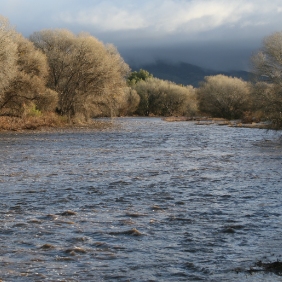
column 150, row 201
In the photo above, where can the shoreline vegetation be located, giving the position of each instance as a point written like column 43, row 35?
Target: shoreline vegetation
column 58, row 79
column 49, row 123
column 220, row 121
column 53, row 123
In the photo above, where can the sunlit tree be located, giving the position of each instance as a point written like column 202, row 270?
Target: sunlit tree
column 129, row 102
column 26, row 77
column 267, row 65
column 223, row 96
column 8, row 54
column 83, row 71
column 165, row 98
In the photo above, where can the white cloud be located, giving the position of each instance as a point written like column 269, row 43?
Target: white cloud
column 106, row 18
column 199, row 15
column 168, row 16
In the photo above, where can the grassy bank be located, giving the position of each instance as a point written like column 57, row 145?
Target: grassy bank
column 48, row 122
column 31, row 122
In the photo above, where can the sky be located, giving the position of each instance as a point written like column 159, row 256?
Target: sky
column 214, row 34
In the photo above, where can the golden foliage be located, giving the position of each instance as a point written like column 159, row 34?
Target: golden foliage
column 223, row 96
column 83, row 71
column 165, row 98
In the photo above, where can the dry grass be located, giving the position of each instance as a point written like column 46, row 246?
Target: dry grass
column 50, row 122
column 172, row 119
column 221, row 121
column 196, row 118
column 31, row 122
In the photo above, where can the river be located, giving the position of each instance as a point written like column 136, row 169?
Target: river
column 146, row 200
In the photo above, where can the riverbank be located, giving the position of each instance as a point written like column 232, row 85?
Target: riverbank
column 52, row 122
column 219, row 121
column 48, row 122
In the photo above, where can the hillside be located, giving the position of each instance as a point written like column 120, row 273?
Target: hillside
column 186, row 74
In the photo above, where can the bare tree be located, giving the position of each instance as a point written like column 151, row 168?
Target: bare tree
column 83, row 71
column 267, row 65
column 223, row 96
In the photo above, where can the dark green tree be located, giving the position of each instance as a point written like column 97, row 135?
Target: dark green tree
column 137, row 76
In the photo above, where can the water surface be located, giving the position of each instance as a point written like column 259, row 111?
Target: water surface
column 147, row 201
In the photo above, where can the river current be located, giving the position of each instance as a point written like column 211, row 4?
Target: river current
column 146, row 200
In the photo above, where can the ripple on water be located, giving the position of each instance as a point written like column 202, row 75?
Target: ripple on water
column 149, row 201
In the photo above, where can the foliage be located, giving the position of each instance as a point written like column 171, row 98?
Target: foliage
column 31, row 111
column 267, row 65
column 165, row 98
column 47, row 119
column 29, row 83
column 137, row 76
column 267, row 101
column 8, row 54
column 129, row 102
column 85, row 73
column 223, row 96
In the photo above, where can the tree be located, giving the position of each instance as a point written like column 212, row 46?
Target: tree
column 267, row 65
column 129, row 102
column 223, row 96
column 84, row 72
column 165, row 98
column 137, row 76
column 8, row 54
column 28, row 83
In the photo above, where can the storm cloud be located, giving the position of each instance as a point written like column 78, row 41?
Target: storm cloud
column 216, row 34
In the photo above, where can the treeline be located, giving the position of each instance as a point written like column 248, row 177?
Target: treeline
column 221, row 96
column 74, row 78
column 54, row 71
column 162, row 98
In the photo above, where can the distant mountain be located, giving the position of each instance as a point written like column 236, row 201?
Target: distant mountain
column 186, row 74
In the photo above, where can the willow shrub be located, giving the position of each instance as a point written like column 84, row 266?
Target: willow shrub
column 164, row 98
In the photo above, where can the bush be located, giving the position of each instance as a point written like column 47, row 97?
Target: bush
column 129, row 102
column 224, row 97
column 31, row 122
column 31, row 111
column 165, row 98
column 137, row 76
column 267, row 102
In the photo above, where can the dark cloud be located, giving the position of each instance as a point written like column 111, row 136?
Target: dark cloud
column 215, row 34
column 218, row 56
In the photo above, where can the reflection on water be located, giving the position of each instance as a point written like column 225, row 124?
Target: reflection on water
column 149, row 201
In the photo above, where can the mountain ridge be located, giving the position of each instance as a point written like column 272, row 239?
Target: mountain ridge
column 185, row 73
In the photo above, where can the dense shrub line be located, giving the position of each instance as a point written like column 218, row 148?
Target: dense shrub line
column 57, row 73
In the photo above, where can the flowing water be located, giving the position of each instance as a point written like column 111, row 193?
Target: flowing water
column 145, row 201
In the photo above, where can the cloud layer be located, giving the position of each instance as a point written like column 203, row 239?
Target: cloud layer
column 170, row 16
column 152, row 28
